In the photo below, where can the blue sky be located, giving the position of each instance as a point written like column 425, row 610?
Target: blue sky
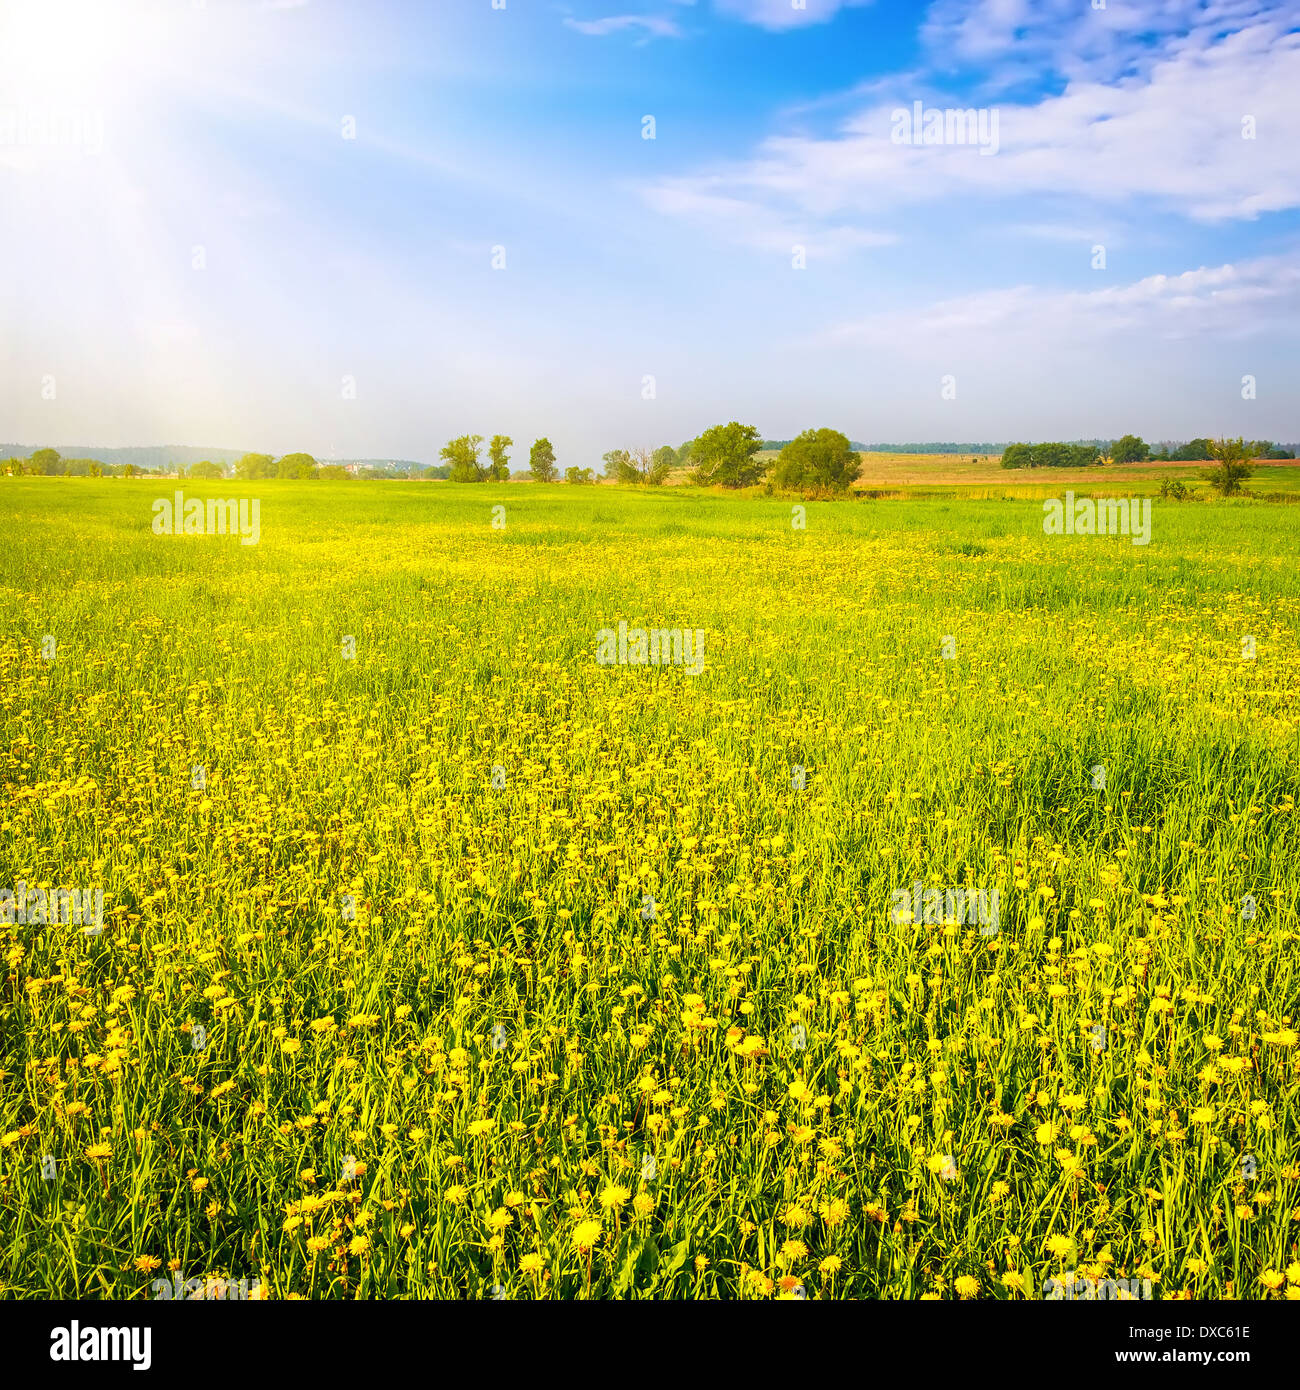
column 197, row 254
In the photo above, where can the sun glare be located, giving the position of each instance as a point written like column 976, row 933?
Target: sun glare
column 72, row 45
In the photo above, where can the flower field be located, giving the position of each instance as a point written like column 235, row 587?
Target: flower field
column 451, row 963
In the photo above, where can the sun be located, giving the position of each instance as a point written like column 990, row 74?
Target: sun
column 65, row 47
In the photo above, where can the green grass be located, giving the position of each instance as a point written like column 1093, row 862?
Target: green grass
column 520, row 907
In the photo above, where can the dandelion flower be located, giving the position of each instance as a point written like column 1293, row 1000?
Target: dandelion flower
column 585, row 1235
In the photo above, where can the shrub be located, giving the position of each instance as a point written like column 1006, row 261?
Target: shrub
column 821, row 459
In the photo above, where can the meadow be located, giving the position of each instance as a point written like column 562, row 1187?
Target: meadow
column 471, row 968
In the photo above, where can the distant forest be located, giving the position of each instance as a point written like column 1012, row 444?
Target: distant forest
column 163, row 458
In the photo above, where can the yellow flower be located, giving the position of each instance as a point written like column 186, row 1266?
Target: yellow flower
column 834, row 1213
column 967, row 1285
column 613, row 1196
column 586, row 1234
column 99, row 1151
column 532, row 1263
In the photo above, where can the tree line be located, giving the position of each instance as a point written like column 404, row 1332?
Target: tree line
column 1128, row 448
column 820, row 460
column 723, row 456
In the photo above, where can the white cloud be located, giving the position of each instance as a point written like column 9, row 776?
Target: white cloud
column 747, row 223
column 1170, row 140
column 1227, row 302
column 1017, row 40
column 655, row 25
column 784, row 14
column 1068, row 232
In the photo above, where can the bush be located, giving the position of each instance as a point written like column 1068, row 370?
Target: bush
column 1129, row 448
column 724, row 455
column 821, row 459
column 1050, row 455
column 1233, row 470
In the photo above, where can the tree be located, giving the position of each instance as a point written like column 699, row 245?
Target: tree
column 619, row 466
column 1050, row 455
column 684, row 452
column 254, row 466
column 662, row 462
column 207, row 469
column 440, row 471
column 640, row 466
column 1129, row 448
column 462, row 455
column 45, row 463
column 724, row 455
column 1234, row 466
column 499, row 469
column 818, row 458
column 333, row 473
column 579, row 475
column 1196, row 450
column 541, row 461
column 297, row 466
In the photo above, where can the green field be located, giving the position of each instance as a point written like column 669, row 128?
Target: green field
column 621, row 1008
